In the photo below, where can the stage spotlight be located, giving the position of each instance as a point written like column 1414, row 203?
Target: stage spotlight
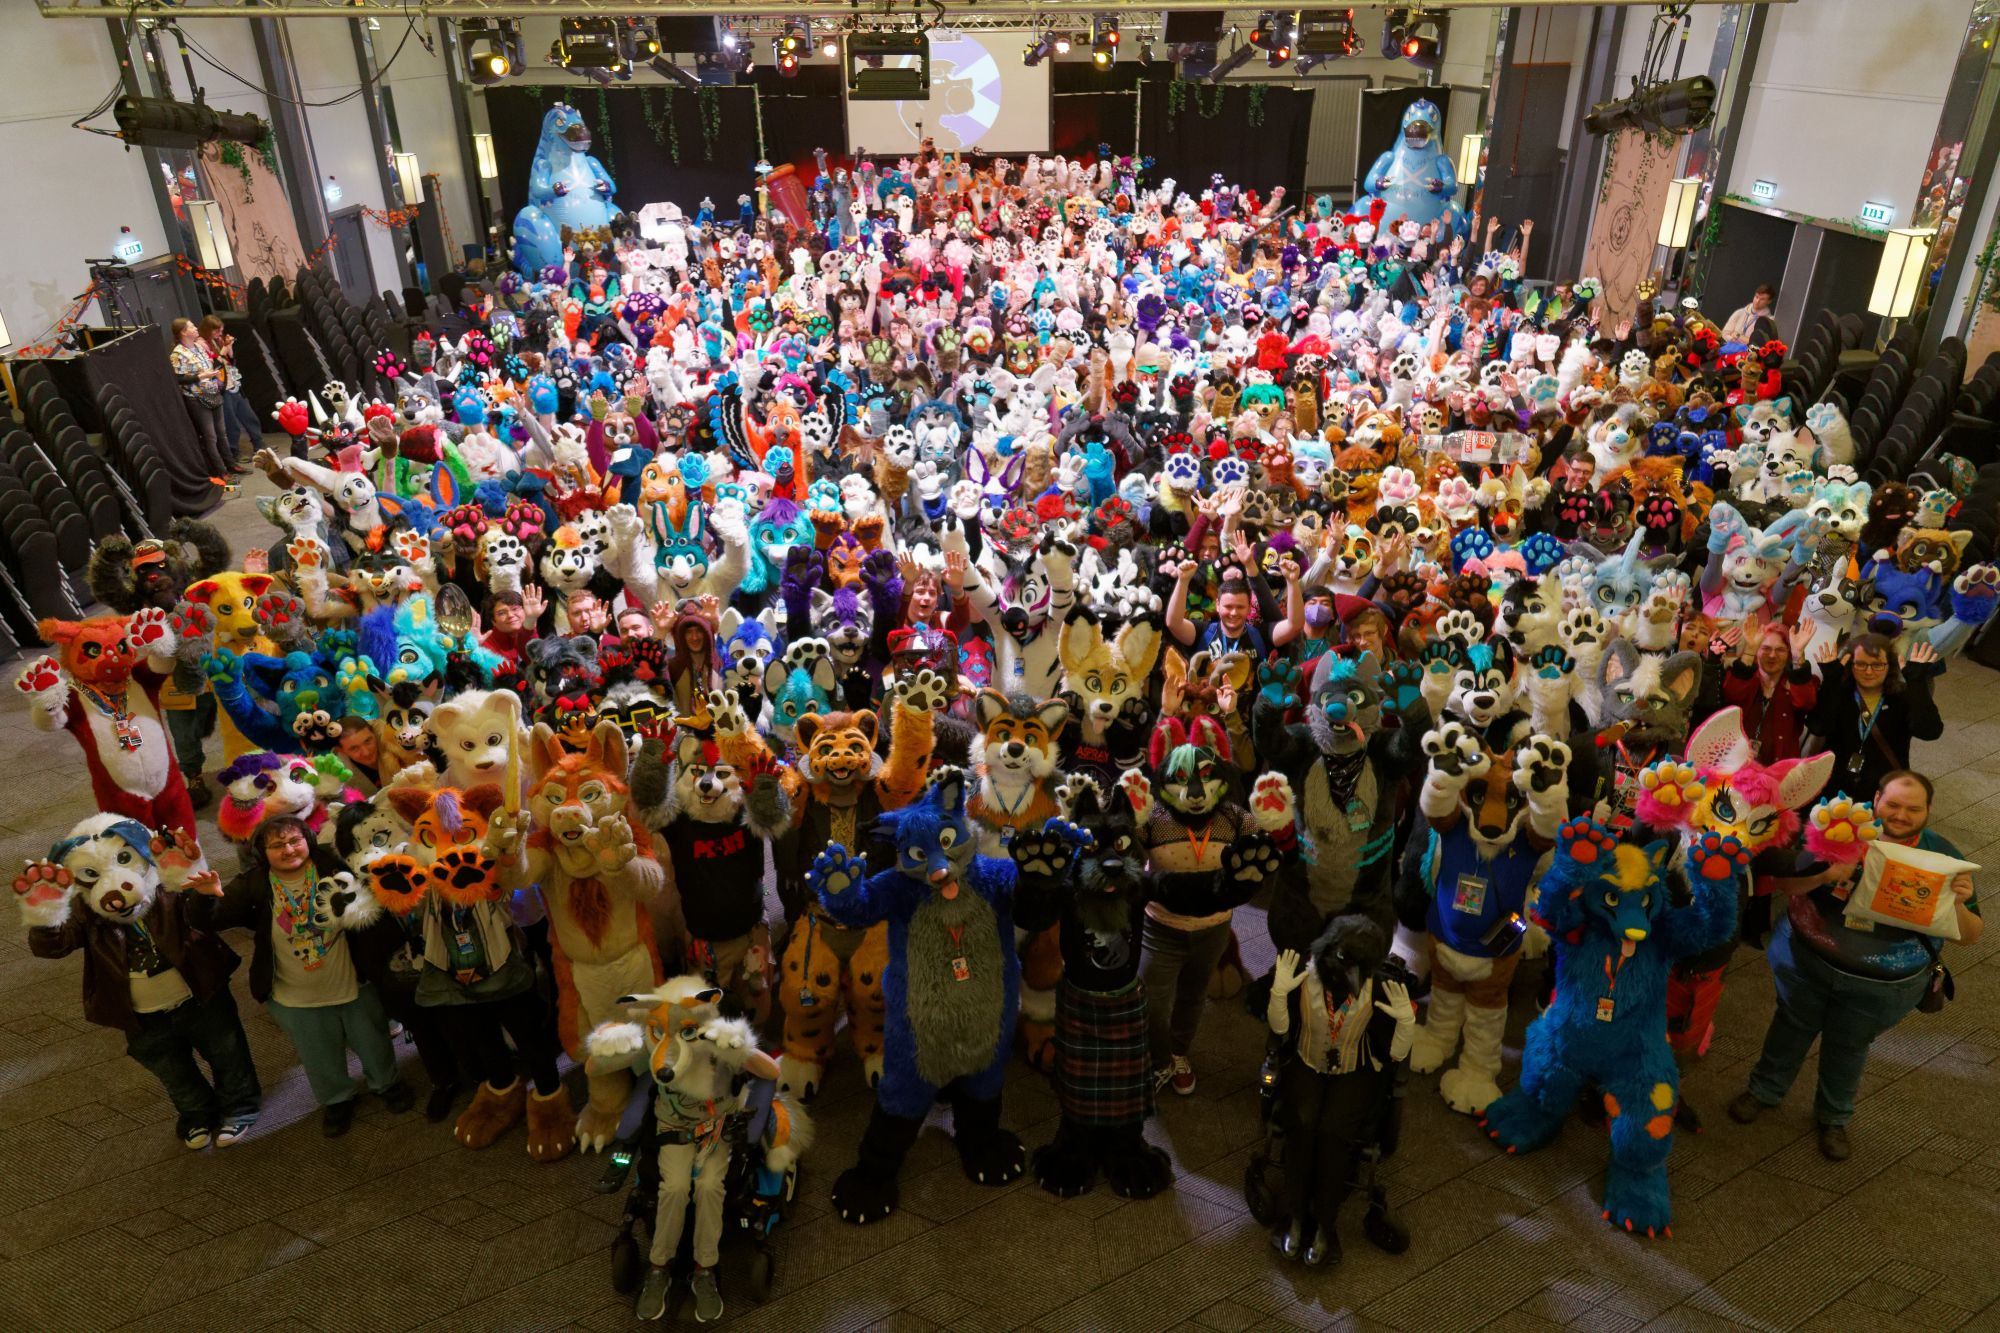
column 1146, row 50
column 1679, row 107
column 787, row 61
column 667, row 69
column 728, row 37
column 161, row 122
column 490, row 49
column 1328, row 33
column 1408, row 33
column 1038, row 50
column 1196, row 59
column 590, row 44
column 1232, row 62
column 829, row 46
column 1062, row 43
column 793, row 39
column 644, row 43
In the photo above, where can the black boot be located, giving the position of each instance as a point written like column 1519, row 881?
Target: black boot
column 1384, row 1232
column 990, row 1155
column 867, row 1191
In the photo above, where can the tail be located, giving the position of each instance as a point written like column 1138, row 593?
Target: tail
column 791, row 1133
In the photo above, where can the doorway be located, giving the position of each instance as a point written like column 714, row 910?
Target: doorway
column 350, row 255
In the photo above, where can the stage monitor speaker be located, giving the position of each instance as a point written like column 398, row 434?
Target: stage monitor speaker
column 1194, row 25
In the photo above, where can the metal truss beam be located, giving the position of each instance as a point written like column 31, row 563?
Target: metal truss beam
column 967, row 11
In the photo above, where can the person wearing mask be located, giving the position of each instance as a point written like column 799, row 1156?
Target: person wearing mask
column 1843, row 986
column 1741, row 327
column 201, row 381
column 312, row 978
column 1774, row 685
column 1870, row 708
column 238, row 417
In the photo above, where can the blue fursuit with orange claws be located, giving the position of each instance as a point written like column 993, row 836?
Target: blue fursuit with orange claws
column 1606, row 904
column 952, row 987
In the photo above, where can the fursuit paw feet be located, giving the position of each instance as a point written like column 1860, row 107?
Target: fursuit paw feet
column 492, row 1113
column 992, row 1158
column 1134, row 1168
column 1428, row 1053
column 551, row 1126
column 862, row 1197
column 1638, row 1200
column 1065, row 1168
column 1585, row 841
column 1466, row 1091
column 1518, row 1123
column 596, row 1126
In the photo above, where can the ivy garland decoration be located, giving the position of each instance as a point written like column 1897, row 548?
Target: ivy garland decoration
column 604, row 131
column 1255, row 95
column 1177, row 96
column 230, row 154
column 1209, row 103
column 710, row 103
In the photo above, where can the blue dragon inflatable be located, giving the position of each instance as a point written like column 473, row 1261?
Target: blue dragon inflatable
column 567, row 187
column 1606, row 906
column 1415, row 180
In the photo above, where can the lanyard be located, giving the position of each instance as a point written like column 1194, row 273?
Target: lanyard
column 1867, row 727
column 1200, row 848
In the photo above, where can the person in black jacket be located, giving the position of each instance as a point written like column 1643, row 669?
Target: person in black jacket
column 1871, row 707
column 317, row 944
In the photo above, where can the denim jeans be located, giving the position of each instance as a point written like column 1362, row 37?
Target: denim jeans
column 1176, row 968
column 166, row 1043
column 1845, row 1012
column 238, row 415
column 324, row 1034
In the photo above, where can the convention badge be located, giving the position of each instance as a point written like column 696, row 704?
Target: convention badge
column 961, row 970
column 1470, row 895
column 1606, row 1009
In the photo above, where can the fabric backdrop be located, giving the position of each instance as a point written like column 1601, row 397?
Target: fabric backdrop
column 255, row 212
column 1624, row 233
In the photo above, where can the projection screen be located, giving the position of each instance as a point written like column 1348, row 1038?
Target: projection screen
column 982, row 98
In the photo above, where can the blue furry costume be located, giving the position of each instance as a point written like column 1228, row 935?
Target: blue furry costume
column 1606, row 906
column 952, row 986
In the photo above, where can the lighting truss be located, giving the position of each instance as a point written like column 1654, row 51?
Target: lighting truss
column 985, row 14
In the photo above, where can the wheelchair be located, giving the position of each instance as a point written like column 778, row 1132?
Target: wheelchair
column 755, row 1201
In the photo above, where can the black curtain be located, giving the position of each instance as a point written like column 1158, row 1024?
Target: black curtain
column 662, row 142
column 1253, row 134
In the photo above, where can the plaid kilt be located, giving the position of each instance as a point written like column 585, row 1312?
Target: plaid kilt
column 1103, row 1073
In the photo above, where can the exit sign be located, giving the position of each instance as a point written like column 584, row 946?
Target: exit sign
column 1879, row 214
column 1764, row 191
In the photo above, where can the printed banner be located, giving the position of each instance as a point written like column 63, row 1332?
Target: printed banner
column 1626, row 226
column 256, row 212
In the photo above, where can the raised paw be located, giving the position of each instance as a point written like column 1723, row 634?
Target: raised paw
column 836, row 870
column 281, row 612
column 1455, row 752
column 1250, row 860
column 1460, row 624
column 1542, row 765
column 1585, row 841
column 148, row 632
column 805, row 654
column 42, row 883
column 1672, row 784
column 398, row 881
column 44, row 675
column 1271, row 801
column 308, row 553
column 1717, row 856
column 922, row 691
column 1841, row 828
column 463, row 869
column 1582, row 628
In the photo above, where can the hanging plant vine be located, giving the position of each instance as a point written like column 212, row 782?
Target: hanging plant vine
column 1255, row 96
column 1177, row 96
column 1209, row 101
column 603, row 144
column 230, row 154
column 710, row 105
